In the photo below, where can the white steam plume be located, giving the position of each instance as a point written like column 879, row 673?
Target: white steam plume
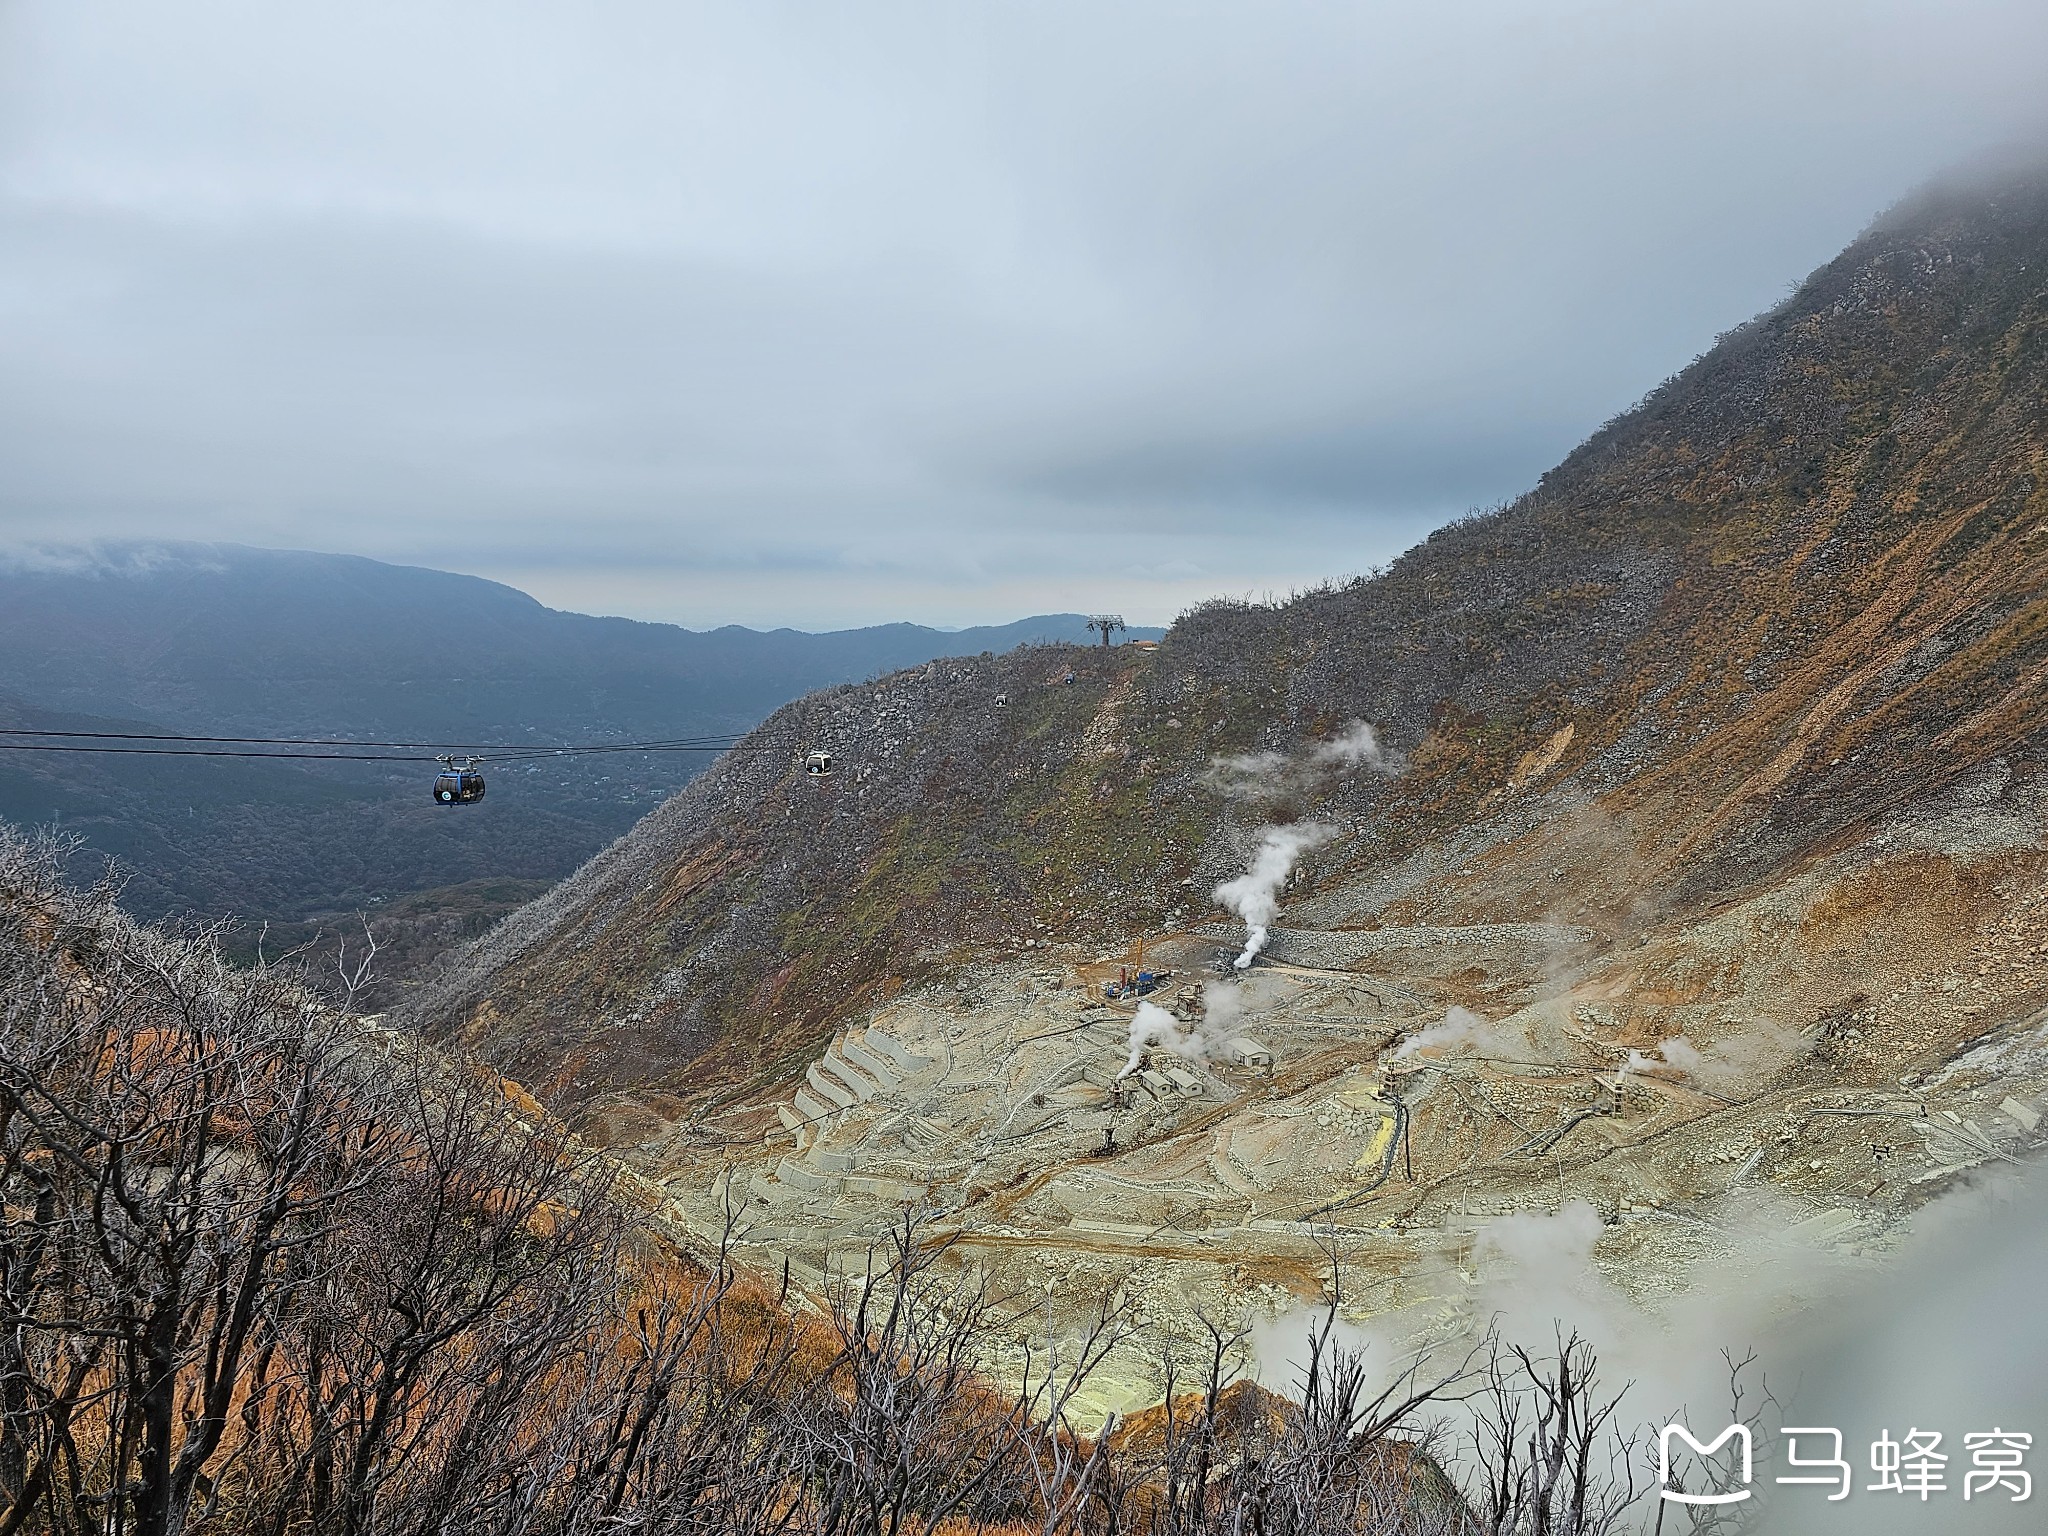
column 1461, row 1026
column 1681, row 1053
column 1357, row 744
column 1255, row 894
column 1153, row 1027
column 1222, row 1008
column 1272, row 775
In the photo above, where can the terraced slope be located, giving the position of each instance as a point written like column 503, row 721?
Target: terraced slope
column 1796, row 595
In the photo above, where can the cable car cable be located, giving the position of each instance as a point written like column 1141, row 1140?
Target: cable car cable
column 370, row 757
column 460, row 783
column 709, row 742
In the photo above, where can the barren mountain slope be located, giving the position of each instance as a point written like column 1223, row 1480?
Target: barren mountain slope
column 1798, row 588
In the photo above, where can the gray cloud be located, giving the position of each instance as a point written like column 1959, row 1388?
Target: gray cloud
column 818, row 315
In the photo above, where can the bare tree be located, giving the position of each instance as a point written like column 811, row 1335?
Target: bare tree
column 1065, row 1464
column 1553, row 1460
column 1342, row 1455
column 1748, row 1408
column 186, row 1131
column 252, row 1253
column 902, row 1430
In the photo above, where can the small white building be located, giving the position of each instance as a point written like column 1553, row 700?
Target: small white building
column 1247, row 1052
column 1184, row 1081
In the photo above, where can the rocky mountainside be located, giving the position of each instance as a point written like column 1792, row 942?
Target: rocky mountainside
column 1796, row 592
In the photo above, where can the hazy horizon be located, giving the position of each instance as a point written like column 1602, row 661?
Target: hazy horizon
column 123, row 558
column 782, row 317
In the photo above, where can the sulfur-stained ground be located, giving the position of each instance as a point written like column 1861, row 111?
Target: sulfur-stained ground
column 1792, row 1073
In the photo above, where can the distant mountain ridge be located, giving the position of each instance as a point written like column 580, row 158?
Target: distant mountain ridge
column 223, row 636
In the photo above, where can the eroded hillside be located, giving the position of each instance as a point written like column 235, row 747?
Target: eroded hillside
column 1714, row 801
column 1799, row 585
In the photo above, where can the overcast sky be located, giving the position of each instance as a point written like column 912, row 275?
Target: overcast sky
column 833, row 313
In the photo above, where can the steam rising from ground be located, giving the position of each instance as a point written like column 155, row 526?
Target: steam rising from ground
column 1271, row 775
column 1222, row 1007
column 1739, row 1058
column 1945, row 1337
column 1461, row 1026
column 1681, row 1053
column 1255, row 894
column 1268, row 776
column 1949, row 1337
column 1537, row 1273
column 1153, row 1028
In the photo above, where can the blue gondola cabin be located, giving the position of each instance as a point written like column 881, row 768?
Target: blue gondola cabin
column 459, row 786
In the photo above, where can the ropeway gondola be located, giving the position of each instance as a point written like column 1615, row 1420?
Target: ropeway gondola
column 458, row 784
